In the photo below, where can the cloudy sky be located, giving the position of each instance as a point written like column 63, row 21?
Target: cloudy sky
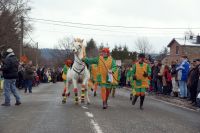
column 129, row 13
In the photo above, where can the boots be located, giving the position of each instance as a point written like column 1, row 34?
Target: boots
column 104, row 105
column 134, row 100
column 113, row 92
column 141, row 102
column 131, row 97
column 95, row 94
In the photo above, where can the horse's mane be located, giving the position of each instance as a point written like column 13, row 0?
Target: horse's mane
column 78, row 40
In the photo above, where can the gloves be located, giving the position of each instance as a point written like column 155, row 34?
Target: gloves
column 134, row 77
column 110, row 71
column 145, row 74
column 83, row 59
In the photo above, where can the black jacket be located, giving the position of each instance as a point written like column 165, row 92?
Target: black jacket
column 10, row 67
column 29, row 72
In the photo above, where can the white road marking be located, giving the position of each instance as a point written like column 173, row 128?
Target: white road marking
column 84, row 107
column 93, row 122
column 89, row 114
column 175, row 105
column 96, row 126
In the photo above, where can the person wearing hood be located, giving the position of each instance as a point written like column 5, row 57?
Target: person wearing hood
column 10, row 74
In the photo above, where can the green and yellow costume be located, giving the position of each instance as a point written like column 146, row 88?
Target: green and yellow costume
column 104, row 65
column 141, row 83
column 140, row 72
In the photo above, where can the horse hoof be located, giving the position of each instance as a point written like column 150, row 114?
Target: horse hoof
column 63, row 101
column 68, row 94
column 88, row 103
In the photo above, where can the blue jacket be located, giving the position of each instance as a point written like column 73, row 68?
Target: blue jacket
column 183, row 70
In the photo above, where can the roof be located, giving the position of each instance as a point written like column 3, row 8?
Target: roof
column 183, row 42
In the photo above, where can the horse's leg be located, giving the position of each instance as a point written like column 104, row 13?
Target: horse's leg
column 75, row 90
column 65, row 92
column 85, row 88
column 83, row 93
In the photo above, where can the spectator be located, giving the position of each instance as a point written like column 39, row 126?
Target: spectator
column 183, row 70
column 167, row 81
column 193, row 81
column 198, row 90
column 29, row 77
column 10, row 74
column 159, row 79
column 20, row 80
column 174, row 79
column 155, row 71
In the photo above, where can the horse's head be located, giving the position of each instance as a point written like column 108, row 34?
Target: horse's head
column 78, row 48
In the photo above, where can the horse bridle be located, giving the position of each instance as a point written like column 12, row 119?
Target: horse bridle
column 80, row 62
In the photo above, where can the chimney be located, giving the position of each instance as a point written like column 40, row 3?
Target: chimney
column 198, row 39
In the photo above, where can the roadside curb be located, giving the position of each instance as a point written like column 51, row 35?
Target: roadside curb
column 173, row 104
column 171, row 101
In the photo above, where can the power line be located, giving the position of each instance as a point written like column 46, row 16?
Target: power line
column 88, row 28
column 31, row 38
column 97, row 29
column 113, row 26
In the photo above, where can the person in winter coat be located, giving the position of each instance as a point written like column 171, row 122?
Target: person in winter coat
column 174, row 79
column 10, row 74
column 167, row 81
column 193, row 81
column 198, row 90
column 28, row 77
column 183, row 70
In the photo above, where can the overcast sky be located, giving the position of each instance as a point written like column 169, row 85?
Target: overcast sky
column 131, row 13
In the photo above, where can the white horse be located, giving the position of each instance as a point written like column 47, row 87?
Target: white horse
column 78, row 72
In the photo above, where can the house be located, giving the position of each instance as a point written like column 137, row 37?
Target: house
column 180, row 46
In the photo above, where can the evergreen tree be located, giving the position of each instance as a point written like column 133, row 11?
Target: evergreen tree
column 91, row 49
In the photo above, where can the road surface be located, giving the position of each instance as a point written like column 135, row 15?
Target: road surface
column 43, row 112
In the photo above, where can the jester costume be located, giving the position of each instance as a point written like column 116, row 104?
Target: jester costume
column 64, row 77
column 116, row 79
column 93, row 78
column 130, row 82
column 140, row 73
column 106, row 66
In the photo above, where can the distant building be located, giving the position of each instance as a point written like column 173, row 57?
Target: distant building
column 178, row 47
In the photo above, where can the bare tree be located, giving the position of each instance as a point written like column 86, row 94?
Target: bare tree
column 62, row 51
column 11, row 12
column 143, row 45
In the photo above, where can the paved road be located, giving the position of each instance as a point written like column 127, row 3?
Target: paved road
column 43, row 112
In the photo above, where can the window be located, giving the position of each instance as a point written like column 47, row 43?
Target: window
column 177, row 49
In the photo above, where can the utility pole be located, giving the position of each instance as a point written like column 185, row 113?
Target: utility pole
column 36, row 54
column 22, row 36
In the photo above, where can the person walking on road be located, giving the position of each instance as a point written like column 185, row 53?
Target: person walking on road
column 10, row 74
column 140, row 73
column 106, row 68
column 28, row 77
